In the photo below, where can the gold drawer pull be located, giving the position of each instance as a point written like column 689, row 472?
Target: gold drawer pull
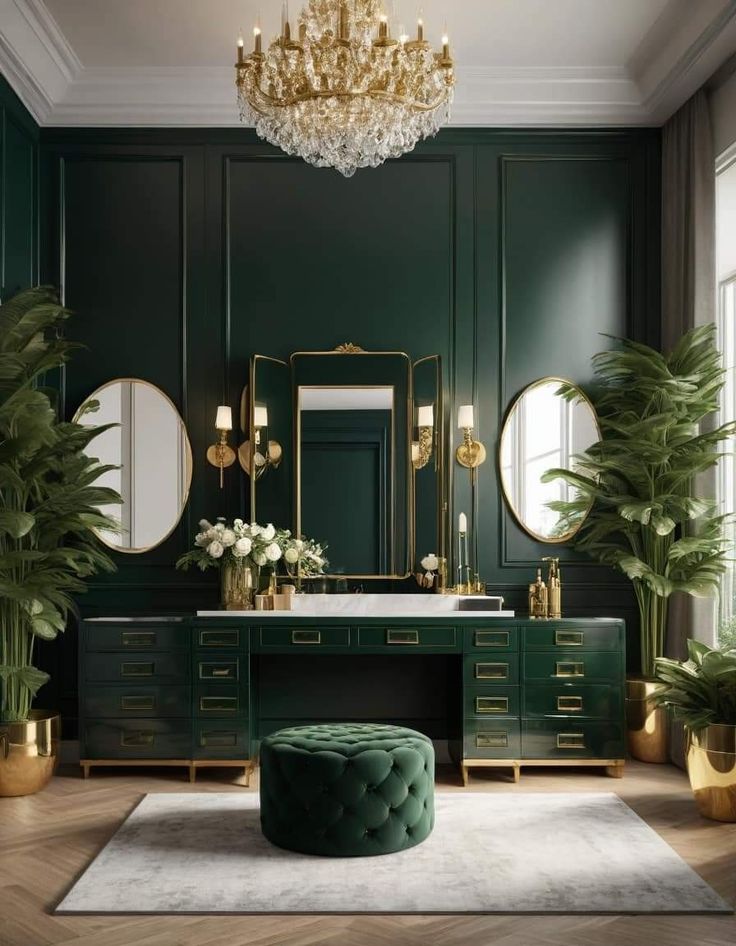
column 402, row 637
column 569, row 668
column 137, row 669
column 491, row 671
column 138, row 638
column 209, row 671
column 570, row 740
column 211, row 704
column 137, row 740
column 491, row 704
column 570, row 704
column 306, row 637
column 219, row 638
column 569, row 638
column 221, row 672
column 219, row 740
column 492, row 740
column 492, row 638
column 137, row 702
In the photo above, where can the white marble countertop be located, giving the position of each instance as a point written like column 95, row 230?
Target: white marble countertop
column 429, row 607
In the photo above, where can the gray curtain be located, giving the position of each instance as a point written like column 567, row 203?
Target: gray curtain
column 688, row 293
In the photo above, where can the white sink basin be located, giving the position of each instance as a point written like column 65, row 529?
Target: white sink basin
column 374, row 605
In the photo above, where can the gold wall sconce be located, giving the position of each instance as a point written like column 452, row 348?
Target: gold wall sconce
column 471, row 453
column 422, row 449
column 222, row 454
column 253, row 458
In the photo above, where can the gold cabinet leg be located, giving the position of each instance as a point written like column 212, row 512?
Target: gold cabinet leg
column 192, row 773
column 464, row 774
column 615, row 771
column 246, row 774
column 85, row 770
column 517, row 772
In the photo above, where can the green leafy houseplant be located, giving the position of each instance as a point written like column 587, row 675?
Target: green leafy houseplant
column 700, row 690
column 48, row 497
column 638, row 481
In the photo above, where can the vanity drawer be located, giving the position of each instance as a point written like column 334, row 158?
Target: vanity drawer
column 304, row 638
column 570, row 739
column 491, row 668
column 221, row 739
column 221, row 638
column 396, row 638
column 124, row 668
column 135, row 701
column 496, row 639
column 491, row 739
column 135, row 637
column 589, row 700
column 546, row 637
column 137, row 739
column 572, row 665
column 220, row 699
column 484, row 701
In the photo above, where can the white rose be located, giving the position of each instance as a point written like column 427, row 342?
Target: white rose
column 299, row 544
column 268, row 533
column 201, row 539
column 219, row 527
column 273, row 552
column 291, row 556
column 430, row 563
column 255, row 529
column 227, row 538
column 243, row 546
column 259, row 558
column 237, row 524
column 204, row 525
column 215, row 549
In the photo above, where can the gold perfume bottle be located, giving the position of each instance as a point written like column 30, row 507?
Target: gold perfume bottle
column 538, row 597
column 554, row 588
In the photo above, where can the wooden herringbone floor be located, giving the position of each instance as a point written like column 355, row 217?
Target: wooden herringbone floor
column 46, row 840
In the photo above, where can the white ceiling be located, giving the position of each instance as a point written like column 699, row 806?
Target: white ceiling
column 519, row 62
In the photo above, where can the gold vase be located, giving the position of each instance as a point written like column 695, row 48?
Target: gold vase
column 711, row 765
column 238, row 587
column 647, row 724
column 29, row 753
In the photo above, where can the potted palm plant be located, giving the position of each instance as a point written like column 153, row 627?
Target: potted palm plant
column 701, row 691
column 48, row 511
column 637, row 487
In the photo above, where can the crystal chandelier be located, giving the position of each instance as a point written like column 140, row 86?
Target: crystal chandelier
column 344, row 94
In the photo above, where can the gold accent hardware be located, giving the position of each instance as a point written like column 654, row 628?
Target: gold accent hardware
column 422, row 449
column 569, row 668
column 209, row 670
column 492, row 740
column 471, row 453
column 569, row 638
column 538, row 597
column 137, row 702
column 219, row 638
column 254, row 459
column 570, row 704
column 492, row 638
column 492, row 671
column 137, row 668
column 554, row 588
column 349, row 348
column 218, row 739
column 491, row 704
column 402, row 637
column 223, row 704
column 138, row 638
column 137, row 740
column 306, row 637
column 221, row 454
column 570, row 740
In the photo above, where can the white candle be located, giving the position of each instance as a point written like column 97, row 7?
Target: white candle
column 465, row 416
column 224, row 419
column 425, row 416
column 462, row 523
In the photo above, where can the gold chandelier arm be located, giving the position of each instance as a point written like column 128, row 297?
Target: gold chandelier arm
column 272, row 102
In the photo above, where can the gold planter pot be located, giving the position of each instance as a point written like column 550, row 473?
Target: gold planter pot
column 238, row 587
column 711, row 765
column 647, row 724
column 29, row 753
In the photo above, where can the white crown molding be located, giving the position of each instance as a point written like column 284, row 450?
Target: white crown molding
column 683, row 48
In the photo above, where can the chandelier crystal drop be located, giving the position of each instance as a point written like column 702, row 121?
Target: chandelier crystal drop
column 344, row 93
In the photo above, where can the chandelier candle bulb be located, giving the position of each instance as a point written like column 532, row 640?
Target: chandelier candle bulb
column 420, row 30
column 240, row 49
column 257, row 40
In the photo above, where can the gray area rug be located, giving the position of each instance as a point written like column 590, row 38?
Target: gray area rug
column 489, row 853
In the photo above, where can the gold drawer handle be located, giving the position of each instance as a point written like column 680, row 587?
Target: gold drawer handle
column 138, row 638
column 137, row 702
column 137, row 669
column 306, row 637
column 210, row 671
column 491, row 671
column 137, row 740
column 570, row 704
column 492, row 638
column 491, row 704
column 221, row 672
column 492, row 740
column 569, row 638
column 569, row 668
column 225, row 704
column 219, row 638
column 570, row 740
column 402, row 637
column 219, row 740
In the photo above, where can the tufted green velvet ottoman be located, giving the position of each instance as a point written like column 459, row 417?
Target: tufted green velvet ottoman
column 347, row 790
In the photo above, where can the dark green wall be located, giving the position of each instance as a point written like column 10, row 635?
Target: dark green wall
column 184, row 252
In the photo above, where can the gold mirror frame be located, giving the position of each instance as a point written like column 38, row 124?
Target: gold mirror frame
column 582, row 396
column 188, row 455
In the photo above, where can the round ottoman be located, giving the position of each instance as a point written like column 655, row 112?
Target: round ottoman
column 347, row 790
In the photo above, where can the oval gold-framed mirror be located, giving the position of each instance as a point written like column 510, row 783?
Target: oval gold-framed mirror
column 150, row 447
column 549, row 423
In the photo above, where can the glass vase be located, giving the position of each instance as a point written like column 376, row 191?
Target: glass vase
column 238, row 585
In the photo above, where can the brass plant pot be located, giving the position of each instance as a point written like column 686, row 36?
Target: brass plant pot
column 711, row 765
column 647, row 724
column 238, row 587
column 29, row 753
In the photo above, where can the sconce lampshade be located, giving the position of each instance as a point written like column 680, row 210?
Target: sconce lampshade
column 260, row 416
column 425, row 416
column 465, row 416
column 224, row 419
